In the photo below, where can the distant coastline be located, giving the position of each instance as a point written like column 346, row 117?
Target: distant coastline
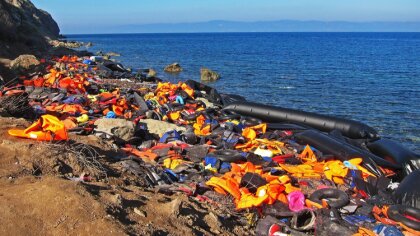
column 70, row 35
column 222, row 26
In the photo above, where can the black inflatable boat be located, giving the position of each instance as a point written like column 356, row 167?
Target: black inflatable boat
column 312, row 130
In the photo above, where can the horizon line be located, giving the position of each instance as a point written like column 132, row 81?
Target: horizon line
column 245, row 32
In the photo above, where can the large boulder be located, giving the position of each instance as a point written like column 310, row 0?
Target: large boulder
column 208, row 75
column 160, row 127
column 173, row 68
column 24, row 62
column 120, row 128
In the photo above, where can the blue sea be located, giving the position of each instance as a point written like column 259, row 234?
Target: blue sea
column 369, row 77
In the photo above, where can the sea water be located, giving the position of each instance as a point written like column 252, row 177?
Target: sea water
column 370, row 77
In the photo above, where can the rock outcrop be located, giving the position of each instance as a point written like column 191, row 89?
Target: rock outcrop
column 24, row 62
column 24, row 29
column 173, row 68
column 208, row 75
column 65, row 44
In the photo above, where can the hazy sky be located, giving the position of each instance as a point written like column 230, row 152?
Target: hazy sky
column 75, row 16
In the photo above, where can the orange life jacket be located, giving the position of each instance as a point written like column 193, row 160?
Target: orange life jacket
column 46, row 128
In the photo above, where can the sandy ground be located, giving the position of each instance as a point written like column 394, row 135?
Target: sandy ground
column 37, row 196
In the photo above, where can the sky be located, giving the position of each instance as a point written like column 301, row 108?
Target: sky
column 94, row 16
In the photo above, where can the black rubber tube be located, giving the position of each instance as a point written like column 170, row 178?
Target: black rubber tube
column 398, row 212
column 336, row 197
column 349, row 128
column 408, row 192
column 285, row 126
column 389, row 149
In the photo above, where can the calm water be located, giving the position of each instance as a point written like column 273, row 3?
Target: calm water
column 370, row 77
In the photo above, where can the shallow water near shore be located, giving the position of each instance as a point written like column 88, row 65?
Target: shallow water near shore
column 370, row 77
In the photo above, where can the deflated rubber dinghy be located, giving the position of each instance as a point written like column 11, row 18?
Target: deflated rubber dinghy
column 213, row 95
column 271, row 114
column 330, row 145
column 395, row 153
column 408, row 192
column 210, row 93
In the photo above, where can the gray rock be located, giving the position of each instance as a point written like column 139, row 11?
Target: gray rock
column 65, row 44
column 173, row 68
column 120, row 128
column 24, row 62
column 208, row 75
column 160, row 127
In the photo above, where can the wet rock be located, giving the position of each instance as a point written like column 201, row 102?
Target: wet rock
column 112, row 54
column 173, row 68
column 89, row 44
column 24, row 61
column 151, row 73
column 208, row 75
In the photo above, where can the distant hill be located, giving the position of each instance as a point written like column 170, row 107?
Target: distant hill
column 268, row 26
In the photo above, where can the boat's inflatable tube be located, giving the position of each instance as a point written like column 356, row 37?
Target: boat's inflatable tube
column 271, row 114
column 399, row 213
column 392, row 151
column 330, row 145
column 210, row 93
column 285, row 126
column 408, row 192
